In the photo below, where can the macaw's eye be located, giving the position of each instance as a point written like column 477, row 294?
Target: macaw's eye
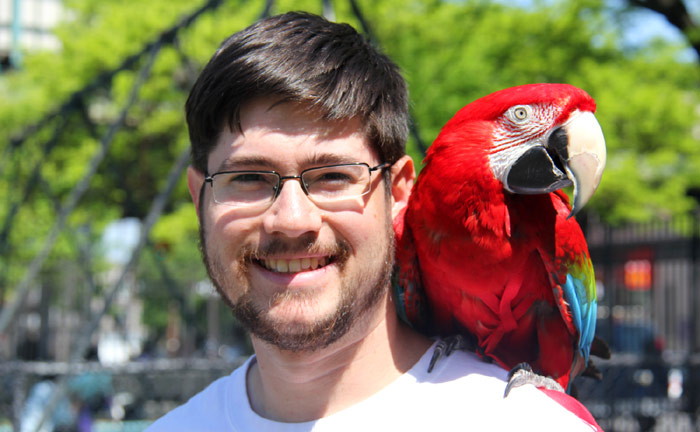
column 520, row 113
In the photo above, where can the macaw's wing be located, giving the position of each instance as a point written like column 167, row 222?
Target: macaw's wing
column 573, row 282
column 409, row 295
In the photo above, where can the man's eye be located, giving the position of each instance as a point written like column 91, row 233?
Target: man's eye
column 246, row 182
column 334, row 177
column 247, row 178
column 330, row 183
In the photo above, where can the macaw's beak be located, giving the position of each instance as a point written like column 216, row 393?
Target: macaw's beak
column 586, row 157
column 573, row 153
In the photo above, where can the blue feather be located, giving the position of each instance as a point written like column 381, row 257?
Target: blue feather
column 583, row 311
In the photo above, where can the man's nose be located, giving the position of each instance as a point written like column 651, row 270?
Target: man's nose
column 292, row 213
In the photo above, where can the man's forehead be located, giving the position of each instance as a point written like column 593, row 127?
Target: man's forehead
column 274, row 115
column 288, row 136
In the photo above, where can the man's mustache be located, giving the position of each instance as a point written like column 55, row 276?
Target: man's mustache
column 305, row 245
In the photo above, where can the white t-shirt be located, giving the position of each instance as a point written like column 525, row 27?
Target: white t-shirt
column 461, row 393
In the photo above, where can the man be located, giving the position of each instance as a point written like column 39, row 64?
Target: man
column 298, row 130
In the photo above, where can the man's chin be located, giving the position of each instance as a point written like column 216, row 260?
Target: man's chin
column 295, row 332
column 300, row 338
column 296, row 327
column 301, row 313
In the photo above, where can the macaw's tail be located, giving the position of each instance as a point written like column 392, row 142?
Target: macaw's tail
column 600, row 349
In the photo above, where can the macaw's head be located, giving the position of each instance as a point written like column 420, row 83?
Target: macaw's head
column 535, row 139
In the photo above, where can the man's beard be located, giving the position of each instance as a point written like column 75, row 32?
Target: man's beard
column 358, row 295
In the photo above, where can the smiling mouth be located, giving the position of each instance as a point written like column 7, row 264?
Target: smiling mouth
column 294, row 265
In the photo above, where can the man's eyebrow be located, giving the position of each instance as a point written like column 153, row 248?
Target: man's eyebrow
column 245, row 162
column 331, row 159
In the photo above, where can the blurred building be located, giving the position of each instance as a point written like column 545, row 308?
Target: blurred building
column 27, row 25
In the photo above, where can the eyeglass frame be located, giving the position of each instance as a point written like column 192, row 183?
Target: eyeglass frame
column 281, row 179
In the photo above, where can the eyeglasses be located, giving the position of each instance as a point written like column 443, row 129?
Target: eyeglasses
column 323, row 185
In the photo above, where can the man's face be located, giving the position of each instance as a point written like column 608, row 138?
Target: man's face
column 298, row 276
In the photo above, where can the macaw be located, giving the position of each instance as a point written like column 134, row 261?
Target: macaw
column 488, row 247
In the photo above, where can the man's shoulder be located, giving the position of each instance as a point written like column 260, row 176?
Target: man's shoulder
column 459, row 379
column 465, row 377
column 462, row 366
column 206, row 410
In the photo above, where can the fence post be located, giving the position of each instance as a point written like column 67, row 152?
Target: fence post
column 608, row 285
column 19, row 396
column 691, row 383
column 695, row 277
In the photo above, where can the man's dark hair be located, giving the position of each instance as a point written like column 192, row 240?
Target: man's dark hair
column 302, row 58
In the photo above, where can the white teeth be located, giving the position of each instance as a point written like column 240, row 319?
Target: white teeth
column 282, row 266
column 294, row 265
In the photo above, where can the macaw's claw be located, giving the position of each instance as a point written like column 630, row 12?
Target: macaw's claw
column 445, row 347
column 522, row 374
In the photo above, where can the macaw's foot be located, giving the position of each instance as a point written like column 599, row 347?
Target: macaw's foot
column 522, row 374
column 446, row 346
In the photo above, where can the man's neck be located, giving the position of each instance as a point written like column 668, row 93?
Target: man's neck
column 304, row 386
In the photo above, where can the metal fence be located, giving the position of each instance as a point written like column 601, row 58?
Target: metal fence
column 120, row 397
column 648, row 280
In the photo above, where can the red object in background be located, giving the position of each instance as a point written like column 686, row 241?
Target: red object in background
column 638, row 275
column 638, row 270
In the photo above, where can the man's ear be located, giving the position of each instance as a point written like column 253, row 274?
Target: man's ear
column 195, row 181
column 402, row 176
